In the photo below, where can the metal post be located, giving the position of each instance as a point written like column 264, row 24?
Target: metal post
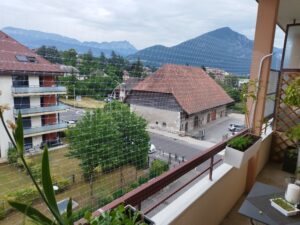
column 74, row 96
column 211, row 167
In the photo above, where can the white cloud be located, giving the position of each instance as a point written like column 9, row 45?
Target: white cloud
column 142, row 22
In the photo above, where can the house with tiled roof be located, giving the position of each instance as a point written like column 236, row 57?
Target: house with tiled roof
column 28, row 83
column 179, row 99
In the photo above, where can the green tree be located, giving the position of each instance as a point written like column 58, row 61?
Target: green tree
column 50, row 53
column 69, row 57
column 87, row 63
column 95, row 141
column 136, row 69
column 135, row 139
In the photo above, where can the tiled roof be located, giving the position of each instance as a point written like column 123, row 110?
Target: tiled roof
column 10, row 48
column 193, row 89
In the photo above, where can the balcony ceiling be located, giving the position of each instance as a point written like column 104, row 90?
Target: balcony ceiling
column 289, row 10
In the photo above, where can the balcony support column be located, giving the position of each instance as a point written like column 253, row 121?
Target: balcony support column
column 263, row 45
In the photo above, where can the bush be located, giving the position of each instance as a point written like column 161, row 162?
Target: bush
column 62, row 183
column 134, row 185
column 29, row 162
column 2, row 210
column 143, row 180
column 118, row 193
column 36, row 171
column 24, row 195
column 105, row 200
column 77, row 215
column 12, row 155
column 157, row 168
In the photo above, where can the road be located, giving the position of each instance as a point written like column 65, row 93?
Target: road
column 175, row 146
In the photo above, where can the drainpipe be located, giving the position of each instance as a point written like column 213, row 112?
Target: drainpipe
column 253, row 109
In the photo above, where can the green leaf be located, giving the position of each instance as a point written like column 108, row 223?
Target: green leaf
column 69, row 211
column 47, row 182
column 31, row 213
column 19, row 136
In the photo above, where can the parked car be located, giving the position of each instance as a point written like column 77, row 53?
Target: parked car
column 236, row 127
column 71, row 122
column 152, row 149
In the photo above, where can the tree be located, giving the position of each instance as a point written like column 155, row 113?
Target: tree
column 87, row 63
column 136, row 69
column 95, row 141
column 50, row 53
column 107, row 139
column 135, row 138
column 69, row 57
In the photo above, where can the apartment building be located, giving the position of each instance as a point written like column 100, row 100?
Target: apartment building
column 28, row 83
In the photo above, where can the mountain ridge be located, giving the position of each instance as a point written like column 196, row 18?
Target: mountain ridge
column 221, row 48
column 35, row 39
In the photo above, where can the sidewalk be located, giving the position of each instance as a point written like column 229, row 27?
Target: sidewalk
column 204, row 144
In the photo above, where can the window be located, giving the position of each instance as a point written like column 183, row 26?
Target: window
column 291, row 57
column 28, row 143
column 20, row 81
column 26, row 122
column 25, row 58
column 21, row 102
column 196, row 121
column 208, row 118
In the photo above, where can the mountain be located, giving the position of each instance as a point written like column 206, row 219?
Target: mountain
column 222, row 48
column 35, row 39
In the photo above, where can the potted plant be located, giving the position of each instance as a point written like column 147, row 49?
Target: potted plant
column 240, row 149
column 284, row 206
column 290, row 160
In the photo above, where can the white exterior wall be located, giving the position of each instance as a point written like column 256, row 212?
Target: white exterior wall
column 5, row 98
column 35, row 101
column 36, row 121
column 156, row 117
column 203, row 116
column 34, row 81
column 37, row 140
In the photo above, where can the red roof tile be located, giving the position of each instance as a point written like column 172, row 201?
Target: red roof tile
column 193, row 89
column 9, row 48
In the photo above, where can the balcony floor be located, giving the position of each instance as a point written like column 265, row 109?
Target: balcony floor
column 272, row 175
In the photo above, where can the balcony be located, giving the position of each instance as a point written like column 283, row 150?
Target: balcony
column 36, row 131
column 37, row 90
column 37, row 111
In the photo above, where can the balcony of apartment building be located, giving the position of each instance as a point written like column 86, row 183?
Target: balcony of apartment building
column 214, row 195
column 24, row 85
column 44, row 129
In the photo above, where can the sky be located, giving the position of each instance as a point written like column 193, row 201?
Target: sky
column 142, row 22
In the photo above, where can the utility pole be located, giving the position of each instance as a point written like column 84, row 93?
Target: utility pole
column 74, row 96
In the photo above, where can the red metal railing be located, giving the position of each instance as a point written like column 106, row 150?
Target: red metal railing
column 138, row 195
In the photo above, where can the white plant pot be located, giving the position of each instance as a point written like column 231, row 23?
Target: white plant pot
column 283, row 211
column 237, row 158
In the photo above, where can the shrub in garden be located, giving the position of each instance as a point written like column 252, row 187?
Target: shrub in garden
column 105, row 200
column 2, row 209
column 36, row 171
column 143, row 180
column 12, row 155
column 62, row 183
column 157, row 168
column 24, row 195
column 118, row 193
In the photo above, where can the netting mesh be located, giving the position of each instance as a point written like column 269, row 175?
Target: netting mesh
column 112, row 123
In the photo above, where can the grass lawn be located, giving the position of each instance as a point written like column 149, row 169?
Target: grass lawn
column 105, row 184
column 86, row 102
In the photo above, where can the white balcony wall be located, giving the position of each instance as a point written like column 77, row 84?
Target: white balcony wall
column 35, row 101
column 36, row 121
column 5, row 98
column 34, row 81
column 36, row 141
